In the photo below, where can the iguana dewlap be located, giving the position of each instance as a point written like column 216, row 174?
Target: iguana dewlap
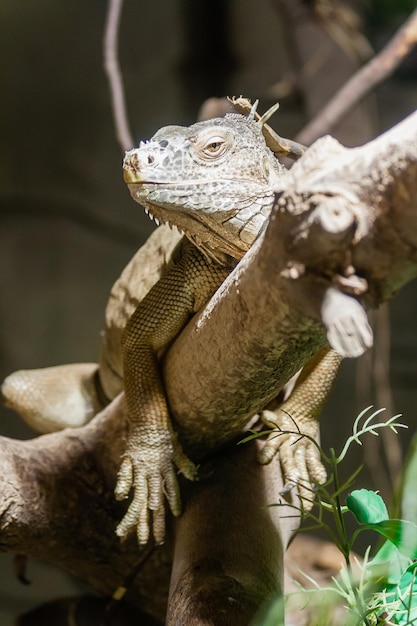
column 215, row 182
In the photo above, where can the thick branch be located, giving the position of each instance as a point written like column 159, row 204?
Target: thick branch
column 58, row 505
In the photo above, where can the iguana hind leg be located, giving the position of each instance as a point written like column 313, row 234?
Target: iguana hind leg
column 297, row 417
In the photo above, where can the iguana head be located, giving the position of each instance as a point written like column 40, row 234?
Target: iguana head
column 214, row 180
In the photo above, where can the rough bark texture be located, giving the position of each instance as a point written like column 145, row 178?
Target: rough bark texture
column 339, row 213
column 228, row 563
column 58, row 505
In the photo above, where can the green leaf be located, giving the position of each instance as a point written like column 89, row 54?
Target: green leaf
column 390, row 569
column 401, row 533
column 405, row 593
column 367, row 506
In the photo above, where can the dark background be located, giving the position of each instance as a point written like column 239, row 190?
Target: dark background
column 67, row 223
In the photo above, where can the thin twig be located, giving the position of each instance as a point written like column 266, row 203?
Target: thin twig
column 112, row 69
column 374, row 72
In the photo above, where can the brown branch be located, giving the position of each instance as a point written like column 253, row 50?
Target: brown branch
column 229, row 545
column 373, row 73
column 57, row 504
column 114, row 75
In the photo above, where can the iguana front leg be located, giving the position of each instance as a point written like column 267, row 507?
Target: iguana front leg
column 153, row 453
column 298, row 416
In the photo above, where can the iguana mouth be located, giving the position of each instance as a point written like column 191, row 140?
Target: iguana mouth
column 134, row 178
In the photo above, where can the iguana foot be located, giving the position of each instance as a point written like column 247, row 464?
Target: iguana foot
column 299, row 456
column 150, row 466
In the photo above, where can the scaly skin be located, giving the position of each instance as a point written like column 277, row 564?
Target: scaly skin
column 215, row 181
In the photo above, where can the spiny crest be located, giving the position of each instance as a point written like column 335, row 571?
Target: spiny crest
column 252, row 115
column 269, row 113
column 263, row 118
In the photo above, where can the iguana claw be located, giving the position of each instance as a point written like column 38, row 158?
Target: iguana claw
column 299, row 456
column 297, row 426
column 151, row 471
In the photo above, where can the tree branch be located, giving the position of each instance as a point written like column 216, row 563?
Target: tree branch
column 114, row 75
column 58, row 505
column 362, row 83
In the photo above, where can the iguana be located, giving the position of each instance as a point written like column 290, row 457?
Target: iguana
column 215, row 182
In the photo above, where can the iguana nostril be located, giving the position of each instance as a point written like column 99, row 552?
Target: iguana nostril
column 132, row 167
column 134, row 162
column 131, row 161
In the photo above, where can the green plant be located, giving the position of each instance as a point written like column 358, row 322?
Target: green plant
column 385, row 592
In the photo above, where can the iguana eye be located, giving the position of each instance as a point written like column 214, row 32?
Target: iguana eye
column 214, row 147
column 210, row 145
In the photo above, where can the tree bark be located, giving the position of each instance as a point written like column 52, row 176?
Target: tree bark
column 229, row 544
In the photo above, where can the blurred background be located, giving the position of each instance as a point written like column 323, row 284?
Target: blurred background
column 68, row 225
